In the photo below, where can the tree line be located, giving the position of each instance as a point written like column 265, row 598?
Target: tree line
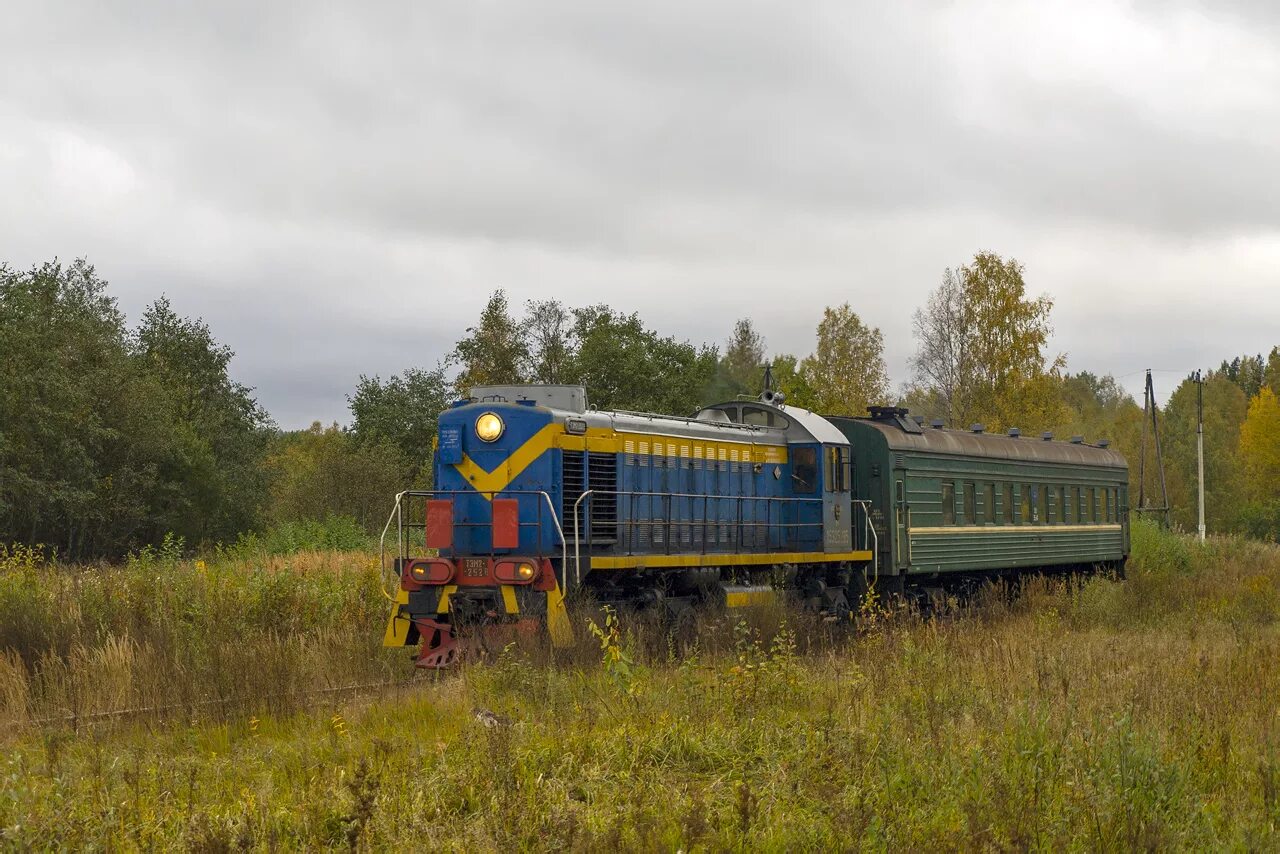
column 112, row 436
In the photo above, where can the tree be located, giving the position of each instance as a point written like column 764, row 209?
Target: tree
column 546, row 325
column 494, row 350
column 1245, row 371
column 1260, row 447
column 626, row 366
column 788, row 380
column 1224, row 412
column 401, row 412
column 1271, row 373
column 325, row 471
column 741, row 367
column 981, row 346
column 215, row 486
column 846, row 372
column 1099, row 408
column 64, row 361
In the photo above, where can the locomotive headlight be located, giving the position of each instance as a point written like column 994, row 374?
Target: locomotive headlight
column 525, row 571
column 489, row 427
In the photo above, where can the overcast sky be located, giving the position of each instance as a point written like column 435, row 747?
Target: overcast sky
column 336, row 188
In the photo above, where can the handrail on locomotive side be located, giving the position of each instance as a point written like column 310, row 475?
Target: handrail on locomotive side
column 869, row 532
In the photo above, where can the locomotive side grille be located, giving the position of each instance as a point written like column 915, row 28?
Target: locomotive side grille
column 575, row 468
column 602, row 476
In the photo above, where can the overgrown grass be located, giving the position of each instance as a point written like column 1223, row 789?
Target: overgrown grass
column 1106, row 715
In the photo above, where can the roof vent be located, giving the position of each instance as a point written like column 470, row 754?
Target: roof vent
column 977, row 428
column 886, row 413
column 936, row 423
column 1077, row 440
column 1047, row 435
column 1014, row 432
column 1104, row 443
column 919, row 419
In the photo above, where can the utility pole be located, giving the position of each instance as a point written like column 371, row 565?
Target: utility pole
column 1200, row 449
column 1149, row 415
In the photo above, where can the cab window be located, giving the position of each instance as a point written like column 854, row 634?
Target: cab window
column 837, row 460
column 804, row 470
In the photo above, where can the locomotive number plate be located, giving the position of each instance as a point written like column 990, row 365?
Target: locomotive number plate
column 475, row 567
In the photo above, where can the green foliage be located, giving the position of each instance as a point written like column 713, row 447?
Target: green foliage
column 178, row 636
column 626, row 366
column 111, row 439
column 1224, row 413
column 494, row 351
column 742, row 366
column 788, row 380
column 616, row 660
column 982, row 348
column 546, row 324
column 325, row 471
column 401, row 412
column 332, row 533
column 846, row 372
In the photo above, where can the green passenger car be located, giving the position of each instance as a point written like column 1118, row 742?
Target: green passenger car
column 967, row 502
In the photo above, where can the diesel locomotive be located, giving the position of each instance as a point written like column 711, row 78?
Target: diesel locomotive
column 539, row 499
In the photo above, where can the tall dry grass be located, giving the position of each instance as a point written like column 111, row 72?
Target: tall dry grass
column 162, row 636
column 1104, row 715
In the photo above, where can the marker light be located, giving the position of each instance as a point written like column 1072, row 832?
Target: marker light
column 515, row 572
column 489, row 427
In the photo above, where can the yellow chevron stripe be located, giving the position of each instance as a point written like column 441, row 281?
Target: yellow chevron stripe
column 489, row 482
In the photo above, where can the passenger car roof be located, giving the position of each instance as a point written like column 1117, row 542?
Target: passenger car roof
column 969, row 444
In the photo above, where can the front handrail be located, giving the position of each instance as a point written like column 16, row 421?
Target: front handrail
column 397, row 514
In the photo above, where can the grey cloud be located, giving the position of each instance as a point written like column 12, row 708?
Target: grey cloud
column 336, row 188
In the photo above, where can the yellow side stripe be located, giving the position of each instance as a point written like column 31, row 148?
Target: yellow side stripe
column 1014, row 529
column 748, row 596
column 762, row 559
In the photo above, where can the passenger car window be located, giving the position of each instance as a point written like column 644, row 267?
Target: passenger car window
column 1026, row 504
column 948, row 503
column 970, row 500
column 804, row 470
column 1008, row 503
column 989, row 504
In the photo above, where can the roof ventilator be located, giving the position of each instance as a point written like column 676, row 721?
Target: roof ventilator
column 936, row 423
column 1104, row 443
column 1014, row 432
column 1077, row 440
column 978, row 428
column 1047, row 436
